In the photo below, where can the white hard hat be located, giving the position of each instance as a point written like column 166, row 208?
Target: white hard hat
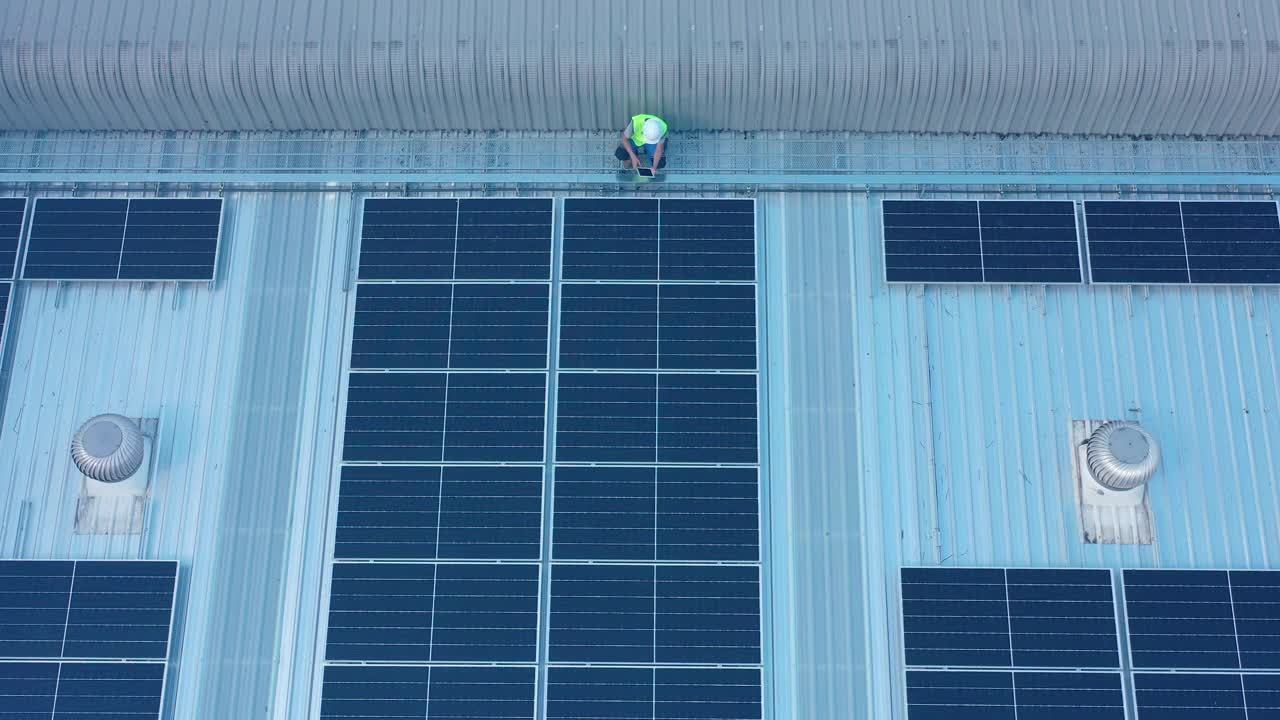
column 652, row 131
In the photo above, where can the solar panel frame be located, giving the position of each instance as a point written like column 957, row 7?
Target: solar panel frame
column 1012, row 652
column 1192, row 255
column 120, row 264
column 981, row 251
column 972, row 707
column 1186, row 250
column 6, row 312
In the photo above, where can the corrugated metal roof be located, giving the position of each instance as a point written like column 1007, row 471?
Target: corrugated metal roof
column 903, row 424
column 1087, row 66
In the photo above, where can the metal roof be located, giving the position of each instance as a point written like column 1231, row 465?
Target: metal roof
column 903, row 424
column 1002, row 66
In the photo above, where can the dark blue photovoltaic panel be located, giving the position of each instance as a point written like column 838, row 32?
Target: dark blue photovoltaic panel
column 1029, row 241
column 934, row 241
column 485, row 613
column 707, row 240
column 171, row 239
column 401, row 327
column 27, row 690
column 1232, row 242
column 610, row 239
column 606, row 417
column 1180, row 619
column 396, row 692
column 495, row 417
column 395, row 417
column 499, row 326
column 1255, row 598
column 455, row 512
column 609, row 326
column 1262, row 696
column 399, row 612
column 86, row 609
column 707, row 694
column 110, row 239
column 1062, row 618
column 1136, row 242
column 1040, row 618
column 707, row 327
column 34, row 595
column 408, row 239
column 504, row 239
column 943, row 695
column 708, row 614
column 76, row 239
column 669, row 513
column 602, row 613
column 424, row 326
column 120, row 691
column 940, row 695
column 120, row 609
column 955, row 616
column 482, row 693
column 5, row 290
column 375, row 692
column 1188, row 696
column 381, row 611
column 11, row 212
column 707, row 419
column 600, row 693
column 605, row 513
column 400, row 417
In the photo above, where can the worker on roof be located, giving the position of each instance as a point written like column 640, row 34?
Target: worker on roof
column 644, row 137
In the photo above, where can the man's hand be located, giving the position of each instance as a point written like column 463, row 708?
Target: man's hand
column 654, row 170
column 635, row 161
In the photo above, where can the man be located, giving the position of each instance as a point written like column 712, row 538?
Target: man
column 644, row 136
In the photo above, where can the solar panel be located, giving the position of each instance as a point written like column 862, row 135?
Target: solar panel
column 610, row 239
column 1143, row 242
column 460, row 326
column 672, row 614
column 975, row 241
column 604, row 693
column 123, row 239
column 432, row 512
column 1232, row 242
column 667, row 239
column 1262, row 696
column 1203, row 619
column 6, row 290
column 706, row 240
column 109, row 609
column 606, row 417
column 422, row 612
column 656, row 513
column 609, row 327
column 1189, row 696
column 469, row 239
column 707, row 418
column 451, row 417
column 991, row 617
column 1005, row 695
column 11, row 213
column 121, row 691
column 457, row 692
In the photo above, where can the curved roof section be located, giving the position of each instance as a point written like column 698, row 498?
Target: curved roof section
column 1001, row 66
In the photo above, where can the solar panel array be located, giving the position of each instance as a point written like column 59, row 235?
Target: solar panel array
column 1145, row 242
column 437, row 569
column 655, row 579
column 1129, row 241
column 1033, row 643
column 652, row 575
column 83, row 639
column 1208, row 622
column 977, row 241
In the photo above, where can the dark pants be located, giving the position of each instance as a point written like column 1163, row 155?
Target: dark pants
column 621, row 154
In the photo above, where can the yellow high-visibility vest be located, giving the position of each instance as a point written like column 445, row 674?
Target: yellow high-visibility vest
column 637, row 128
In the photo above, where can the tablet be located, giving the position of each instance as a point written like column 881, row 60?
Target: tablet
column 645, row 172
